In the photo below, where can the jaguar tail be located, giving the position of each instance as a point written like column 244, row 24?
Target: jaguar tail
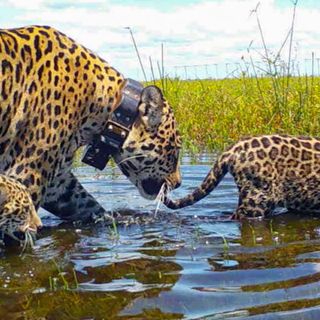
column 213, row 178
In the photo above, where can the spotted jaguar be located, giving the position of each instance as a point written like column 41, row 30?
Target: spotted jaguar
column 57, row 96
column 271, row 172
column 17, row 212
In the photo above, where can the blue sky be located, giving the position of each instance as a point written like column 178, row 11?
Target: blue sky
column 302, row 3
column 210, row 37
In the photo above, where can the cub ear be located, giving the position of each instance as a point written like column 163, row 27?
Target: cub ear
column 151, row 107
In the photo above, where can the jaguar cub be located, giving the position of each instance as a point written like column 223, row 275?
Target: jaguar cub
column 17, row 211
column 269, row 171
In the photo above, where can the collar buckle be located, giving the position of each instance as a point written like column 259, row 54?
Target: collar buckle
column 114, row 135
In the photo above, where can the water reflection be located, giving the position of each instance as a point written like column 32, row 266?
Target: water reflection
column 189, row 264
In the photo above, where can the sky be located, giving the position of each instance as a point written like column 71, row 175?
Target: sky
column 212, row 38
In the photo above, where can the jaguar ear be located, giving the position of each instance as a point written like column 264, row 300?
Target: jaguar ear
column 151, row 107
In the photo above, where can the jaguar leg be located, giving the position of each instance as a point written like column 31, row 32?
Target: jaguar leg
column 253, row 203
column 67, row 198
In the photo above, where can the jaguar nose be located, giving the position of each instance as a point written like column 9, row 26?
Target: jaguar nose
column 36, row 222
column 174, row 180
column 151, row 186
column 177, row 184
column 34, row 225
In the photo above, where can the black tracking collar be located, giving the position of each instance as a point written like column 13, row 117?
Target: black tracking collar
column 98, row 153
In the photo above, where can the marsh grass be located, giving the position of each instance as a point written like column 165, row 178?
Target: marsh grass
column 60, row 281
column 212, row 114
column 253, row 233
column 113, row 231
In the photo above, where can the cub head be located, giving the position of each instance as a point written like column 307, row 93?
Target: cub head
column 150, row 154
column 18, row 215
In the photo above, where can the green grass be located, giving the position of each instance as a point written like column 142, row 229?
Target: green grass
column 211, row 114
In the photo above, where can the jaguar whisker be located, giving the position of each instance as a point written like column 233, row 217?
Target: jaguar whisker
column 165, row 188
column 133, row 157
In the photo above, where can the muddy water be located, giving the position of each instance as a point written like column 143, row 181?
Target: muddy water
column 192, row 264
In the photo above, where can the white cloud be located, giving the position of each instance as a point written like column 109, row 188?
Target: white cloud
column 206, row 32
column 29, row 5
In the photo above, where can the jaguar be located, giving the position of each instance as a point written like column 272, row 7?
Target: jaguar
column 270, row 171
column 17, row 212
column 57, row 96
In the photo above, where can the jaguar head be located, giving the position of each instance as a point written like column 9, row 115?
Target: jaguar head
column 18, row 216
column 150, row 154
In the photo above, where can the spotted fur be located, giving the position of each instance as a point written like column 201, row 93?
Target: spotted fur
column 270, row 172
column 56, row 96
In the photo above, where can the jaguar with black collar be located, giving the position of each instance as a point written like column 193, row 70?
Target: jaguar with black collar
column 56, row 96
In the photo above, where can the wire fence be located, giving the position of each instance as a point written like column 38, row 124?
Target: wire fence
column 235, row 70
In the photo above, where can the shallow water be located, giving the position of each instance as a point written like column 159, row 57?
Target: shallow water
column 186, row 265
